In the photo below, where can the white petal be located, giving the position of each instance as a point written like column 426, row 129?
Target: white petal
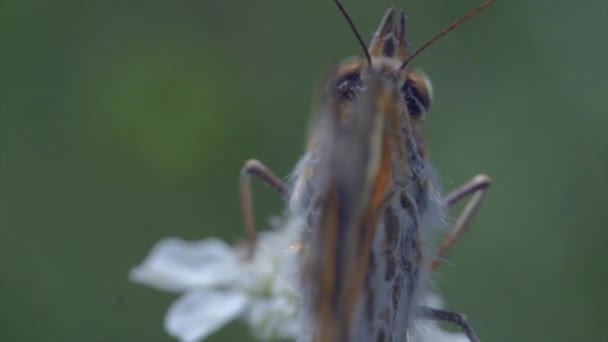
column 198, row 314
column 273, row 318
column 178, row 265
column 273, row 258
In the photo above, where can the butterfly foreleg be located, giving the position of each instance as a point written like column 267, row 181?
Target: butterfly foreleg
column 477, row 187
column 451, row 317
column 255, row 168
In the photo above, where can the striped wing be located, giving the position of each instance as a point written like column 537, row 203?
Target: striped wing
column 354, row 176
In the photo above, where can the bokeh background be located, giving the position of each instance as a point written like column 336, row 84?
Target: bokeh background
column 125, row 122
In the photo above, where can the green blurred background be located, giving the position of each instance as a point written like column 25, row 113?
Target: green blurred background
column 123, row 123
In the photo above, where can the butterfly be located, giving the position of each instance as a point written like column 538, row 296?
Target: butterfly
column 369, row 196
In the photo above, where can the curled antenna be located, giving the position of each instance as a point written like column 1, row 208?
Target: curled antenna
column 355, row 31
column 446, row 30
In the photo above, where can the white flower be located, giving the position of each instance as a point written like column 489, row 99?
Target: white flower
column 220, row 285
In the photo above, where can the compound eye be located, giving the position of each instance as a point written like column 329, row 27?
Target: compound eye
column 418, row 93
column 349, row 85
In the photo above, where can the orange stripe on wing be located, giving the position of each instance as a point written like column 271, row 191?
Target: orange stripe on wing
column 326, row 299
column 359, row 176
column 368, row 225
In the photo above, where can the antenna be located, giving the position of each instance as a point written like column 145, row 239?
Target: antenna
column 355, row 31
column 446, row 30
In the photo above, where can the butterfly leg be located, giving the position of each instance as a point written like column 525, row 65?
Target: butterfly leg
column 451, row 317
column 255, row 168
column 477, row 187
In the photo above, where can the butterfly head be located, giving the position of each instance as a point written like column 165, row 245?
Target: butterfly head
column 388, row 52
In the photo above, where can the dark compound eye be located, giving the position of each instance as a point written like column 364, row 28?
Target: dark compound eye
column 349, row 85
column 417, row 93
